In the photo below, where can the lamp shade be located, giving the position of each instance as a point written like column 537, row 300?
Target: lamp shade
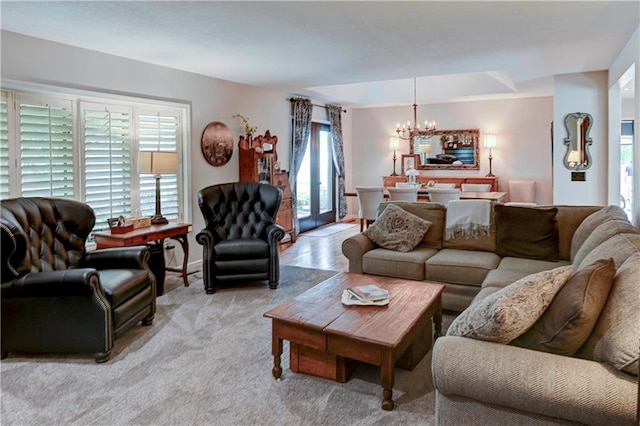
column 394, row 143
column 490, row 140
column 574, row 157
column 158, row 162
column 422, row 149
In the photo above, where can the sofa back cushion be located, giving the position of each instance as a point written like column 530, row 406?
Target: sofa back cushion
column 590, row 223
column 569, row 218
column 432, row 212
column 526, row 232
column 602, row 233
column 619, row 247
column 614, row 339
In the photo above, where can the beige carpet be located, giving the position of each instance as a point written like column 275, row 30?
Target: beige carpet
column 205, row 361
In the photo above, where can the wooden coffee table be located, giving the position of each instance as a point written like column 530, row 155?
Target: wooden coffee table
column 327, row 338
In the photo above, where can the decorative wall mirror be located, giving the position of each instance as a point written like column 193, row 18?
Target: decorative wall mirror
column 447, row 150
column 578, row 125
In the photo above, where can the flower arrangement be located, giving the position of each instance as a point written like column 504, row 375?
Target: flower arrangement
column 249, row 130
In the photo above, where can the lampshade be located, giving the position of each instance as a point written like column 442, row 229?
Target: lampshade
column 158, row 162
column 394, row 144
column 422, row 149
column 489, row 140
column 574, row 157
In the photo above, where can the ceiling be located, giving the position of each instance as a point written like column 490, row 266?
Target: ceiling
column 357, row 53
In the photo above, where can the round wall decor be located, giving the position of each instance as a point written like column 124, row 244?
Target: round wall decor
column 217, row 143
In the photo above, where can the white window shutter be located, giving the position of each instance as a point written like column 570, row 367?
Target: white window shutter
column 4, row 148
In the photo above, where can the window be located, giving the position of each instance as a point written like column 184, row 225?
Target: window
column 87, row 149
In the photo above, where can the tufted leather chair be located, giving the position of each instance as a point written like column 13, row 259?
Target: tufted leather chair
column 240, row 239
column 56, row 296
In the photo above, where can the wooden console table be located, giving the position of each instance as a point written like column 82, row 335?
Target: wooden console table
column 154, row 234
column 388, row 181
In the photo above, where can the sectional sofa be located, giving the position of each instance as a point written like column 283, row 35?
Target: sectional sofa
column 513, row 381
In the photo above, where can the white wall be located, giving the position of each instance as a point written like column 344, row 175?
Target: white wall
column 584, row 92
column 523, row 134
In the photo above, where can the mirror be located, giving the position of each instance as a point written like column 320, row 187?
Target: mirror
column 447, row 150
column 578, row 141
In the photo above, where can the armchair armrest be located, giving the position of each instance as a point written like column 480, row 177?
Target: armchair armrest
column 134, row 257
column 354, row 248
column 536, row 382
column 69, row 282
column 275, row 233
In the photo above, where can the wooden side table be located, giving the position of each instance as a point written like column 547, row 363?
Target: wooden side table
column 155, row 234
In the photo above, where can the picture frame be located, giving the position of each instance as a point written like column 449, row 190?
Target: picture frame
column 409, row 161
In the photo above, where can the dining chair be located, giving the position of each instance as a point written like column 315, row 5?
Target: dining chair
column 476, row 187
column 444, row 185
column 443, row 195
column 522, row 191
column 369, row 198
column 408, row 185
column 403, row 194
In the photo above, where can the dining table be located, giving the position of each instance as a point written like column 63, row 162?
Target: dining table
column 423, row 195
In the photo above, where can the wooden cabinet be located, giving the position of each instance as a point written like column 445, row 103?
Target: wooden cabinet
column 258, row 158
column 457, row 180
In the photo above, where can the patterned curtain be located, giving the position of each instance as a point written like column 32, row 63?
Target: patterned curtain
column 302, row 111
column 335, row 119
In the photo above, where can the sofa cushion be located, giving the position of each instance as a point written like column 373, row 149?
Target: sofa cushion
column 531, row 233
column 569, row 219
column 529, row 266
column 500, row 278
column 614, row 339
column 397, row 229
column 509, row 312
column 433, row 212
column 590, row 223
column 572, row 315
column 619, row 247
column 600, row 234
column 461, row 266
column 392, row 263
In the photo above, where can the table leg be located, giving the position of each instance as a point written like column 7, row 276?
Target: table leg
column 387, row 379
column 437, row 319
column 276, row 350
column 184, row 242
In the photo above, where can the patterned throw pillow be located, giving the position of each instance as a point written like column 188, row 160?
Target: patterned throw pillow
column 573, row 313
column 512, row 310
column 397, row 229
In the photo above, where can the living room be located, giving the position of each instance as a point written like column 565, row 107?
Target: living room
column 523, row 125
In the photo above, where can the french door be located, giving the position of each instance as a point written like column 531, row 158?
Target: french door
column 315, row 184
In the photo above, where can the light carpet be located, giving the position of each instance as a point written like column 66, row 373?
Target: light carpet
column 329, row 230
column 206, row 360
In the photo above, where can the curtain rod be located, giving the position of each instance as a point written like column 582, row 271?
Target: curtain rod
column 321, row 106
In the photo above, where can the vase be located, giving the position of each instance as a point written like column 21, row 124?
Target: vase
column 412, row 179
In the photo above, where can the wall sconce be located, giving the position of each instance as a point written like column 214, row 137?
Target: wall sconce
column 394, row 144
column 157, row 163
column 490, row 142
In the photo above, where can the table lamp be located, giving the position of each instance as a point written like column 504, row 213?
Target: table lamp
column 490, row 142
column 158, row 163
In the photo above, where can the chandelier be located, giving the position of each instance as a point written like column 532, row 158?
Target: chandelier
column 407, row 132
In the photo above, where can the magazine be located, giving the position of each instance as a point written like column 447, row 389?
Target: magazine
column 368, row 293
column 349, row 299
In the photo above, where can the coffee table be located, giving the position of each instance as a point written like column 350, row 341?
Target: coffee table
column 327, row 338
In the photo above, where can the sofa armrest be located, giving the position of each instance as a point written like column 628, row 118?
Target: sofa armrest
column 69, row 282
column 354, row 248
column 134, row 257
column 537, row 382
column 275, row 233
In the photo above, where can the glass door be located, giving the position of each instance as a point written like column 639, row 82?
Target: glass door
column 626, row 168
column 315, row 185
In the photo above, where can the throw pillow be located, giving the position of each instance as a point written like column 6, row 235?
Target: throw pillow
column 397, row 229
column 512, row 310
column 573, row 313
column 615, row 337
column 527, row 232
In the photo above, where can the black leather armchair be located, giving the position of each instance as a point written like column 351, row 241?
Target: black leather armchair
column 240, row 239
column 56, row 296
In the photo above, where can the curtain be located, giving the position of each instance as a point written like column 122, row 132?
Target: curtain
column 335, row 119
column 302, row 110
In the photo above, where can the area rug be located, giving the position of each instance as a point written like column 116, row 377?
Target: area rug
column 329, row 230
column 206, row 360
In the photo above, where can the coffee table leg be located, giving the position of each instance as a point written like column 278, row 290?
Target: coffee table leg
column 387, row 373
column 276, row 350
column 437, row 319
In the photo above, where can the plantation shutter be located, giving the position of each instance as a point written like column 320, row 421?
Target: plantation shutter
column 107, row 161
column 159, row 131
column 46, row 147
column 4, row 148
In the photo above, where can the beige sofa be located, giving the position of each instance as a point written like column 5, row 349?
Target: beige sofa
column 507, row 384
